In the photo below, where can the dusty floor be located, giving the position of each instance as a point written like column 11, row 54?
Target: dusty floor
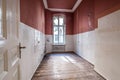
column 65, row 66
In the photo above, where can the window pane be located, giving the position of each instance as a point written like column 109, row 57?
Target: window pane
column 61, row 21
column 56, row 30
column 55, row 20
column 61, row 41
column 55, row 35
column 60, row 31
column 56, row 39
column 61, row 37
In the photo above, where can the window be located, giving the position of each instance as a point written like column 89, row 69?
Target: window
column 59, row 30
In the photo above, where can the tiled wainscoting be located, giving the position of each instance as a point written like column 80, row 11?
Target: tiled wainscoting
column 68, row 43
column 31, row 57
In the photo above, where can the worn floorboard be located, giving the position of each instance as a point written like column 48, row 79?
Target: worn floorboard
column 65, row 66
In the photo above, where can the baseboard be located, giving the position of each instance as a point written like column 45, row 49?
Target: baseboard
column 100, row 75
column 86, row 60
column 43, row 55
column 92, row 65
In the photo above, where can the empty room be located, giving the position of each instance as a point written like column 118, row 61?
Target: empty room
column 59, row 39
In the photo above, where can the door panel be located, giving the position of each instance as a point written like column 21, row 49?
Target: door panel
column 15, row 75
column 9, row 50
column 11, row 66
column 13, row 56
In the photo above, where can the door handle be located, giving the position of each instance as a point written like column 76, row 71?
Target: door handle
column 20, row 47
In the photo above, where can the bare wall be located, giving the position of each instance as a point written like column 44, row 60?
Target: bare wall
column 32, row 14
column 101, row 47
column 84, row 17
column 87, row 14
column 105, row 7
column 99, row 44
column 32, row 23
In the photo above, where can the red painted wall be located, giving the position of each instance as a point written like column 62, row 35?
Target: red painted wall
column 84, row 17
column 104, row 7
column 32, row 14
column 49, row 26
column 89, row 11
column 48, row 22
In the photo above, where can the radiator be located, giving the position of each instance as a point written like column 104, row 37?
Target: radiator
column 58, row 48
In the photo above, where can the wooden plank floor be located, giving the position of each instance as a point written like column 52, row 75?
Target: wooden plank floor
column 65, row 66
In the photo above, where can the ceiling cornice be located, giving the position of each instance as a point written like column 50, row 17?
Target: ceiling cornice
column 62, row 10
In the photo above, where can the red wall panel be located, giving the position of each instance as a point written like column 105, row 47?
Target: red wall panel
column 32, row 13
column 88, row 12
column 49, row 25
column 104, row 7
column 84, row 17
column 48, row 22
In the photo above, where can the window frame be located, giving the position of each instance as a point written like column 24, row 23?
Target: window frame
column 64, row 28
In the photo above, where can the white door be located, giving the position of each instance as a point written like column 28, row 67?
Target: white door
column 9, row 44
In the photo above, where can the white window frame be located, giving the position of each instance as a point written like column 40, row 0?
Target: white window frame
column 64, row 29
